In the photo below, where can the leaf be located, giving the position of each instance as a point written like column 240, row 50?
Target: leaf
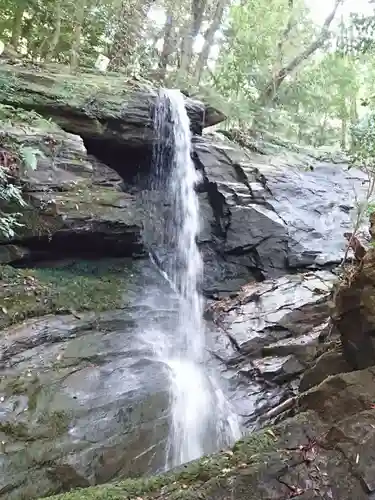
column 30, row 156
column 271, row 433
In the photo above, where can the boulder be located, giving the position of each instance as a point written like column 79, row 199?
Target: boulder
column 110, row 107
column 81, row 402
column 329, row 363
column 341, row 396
column 74, row 204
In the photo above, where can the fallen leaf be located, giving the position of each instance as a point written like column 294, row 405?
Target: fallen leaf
column 271, row 433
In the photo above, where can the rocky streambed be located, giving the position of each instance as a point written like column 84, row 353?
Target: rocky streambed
column 82, row 399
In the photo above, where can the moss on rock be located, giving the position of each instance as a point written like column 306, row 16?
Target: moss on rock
column 90, row 103
column 190, row 481
column 87, row 286
column 11, row 116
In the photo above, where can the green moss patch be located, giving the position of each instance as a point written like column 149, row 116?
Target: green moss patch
column 89, row 200
column 83, row 91
column 11, row 116
column 83, row 286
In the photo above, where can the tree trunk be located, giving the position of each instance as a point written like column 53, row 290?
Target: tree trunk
column 209, row 38
column 190, row 33
column 353, row 110
column 272, row 87
column 17, row 25
column 344, row 126
column 56, row 33
column 132, row 17
column 284, row 37
column 167, row 44
column 77, row 32
column 321, row 136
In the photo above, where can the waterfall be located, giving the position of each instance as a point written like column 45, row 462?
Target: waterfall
column 202, row 420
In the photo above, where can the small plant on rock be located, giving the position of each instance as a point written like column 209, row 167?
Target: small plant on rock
column 14, row 159
column 9, row 193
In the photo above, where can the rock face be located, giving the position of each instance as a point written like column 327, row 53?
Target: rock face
column 82, row 403
column 327, row 451
column 106, row 107
column 264, row 215
column 273, row 329
column 273, row 214
column 73, row 204
column 82, row 398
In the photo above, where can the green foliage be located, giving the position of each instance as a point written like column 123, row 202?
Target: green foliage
column 363, row 142
column 9, row 193
column 12, row 116
column 253, row 41
column 29, row 156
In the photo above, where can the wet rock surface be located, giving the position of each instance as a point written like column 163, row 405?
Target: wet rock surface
column 273, row 331
column 81, row 403
column 321, row 453
column 83, row 399
column 263, row 215
column 271, row 214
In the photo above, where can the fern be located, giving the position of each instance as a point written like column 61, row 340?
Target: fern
column 29, row 156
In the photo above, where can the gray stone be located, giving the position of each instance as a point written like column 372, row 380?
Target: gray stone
column 329, row 363
column 78, row 395
column 74, row 204
column 276, row 309
column 270, row 213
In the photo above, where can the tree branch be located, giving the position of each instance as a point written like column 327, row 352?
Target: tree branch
column 273, row 85
column 209, row 37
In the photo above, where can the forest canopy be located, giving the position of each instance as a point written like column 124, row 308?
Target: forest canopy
column 269, row 65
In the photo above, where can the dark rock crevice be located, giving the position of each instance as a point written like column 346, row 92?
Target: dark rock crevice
column 133, row 165
column 67, row 244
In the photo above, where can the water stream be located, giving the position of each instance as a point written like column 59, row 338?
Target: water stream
column 202, row 419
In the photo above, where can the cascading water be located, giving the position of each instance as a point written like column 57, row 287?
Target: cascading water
column 202, row 419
